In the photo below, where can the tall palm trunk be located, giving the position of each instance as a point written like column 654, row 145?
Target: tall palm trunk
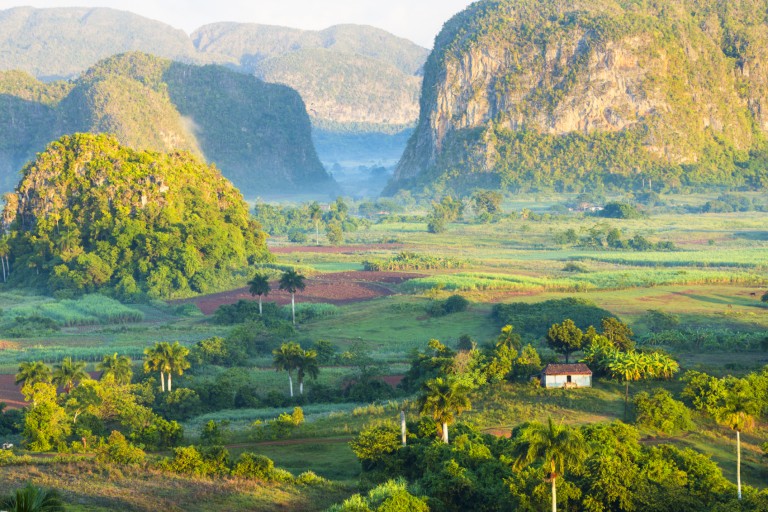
column 290, row 383
column 317, row 233
column 554, row 496
column 169, row 382
column 293, row 311
column 162, row 381
column 738, row 462
column 259, row 305
column 553, row 475
column 301, row 387
column 445, row 432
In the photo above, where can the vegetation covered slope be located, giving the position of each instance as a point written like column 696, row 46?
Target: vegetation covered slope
column 60, row 43
column 90, row 214
column 351, row 77
column 526, row 94
column 257, row 133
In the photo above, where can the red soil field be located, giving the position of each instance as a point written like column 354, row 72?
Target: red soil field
column 336, row 288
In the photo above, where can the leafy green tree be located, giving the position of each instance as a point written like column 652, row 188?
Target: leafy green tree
column 558, row 446
column 662, row 412
column 118, row 450
column 619, row 333
column 259, row 285
column 443, row 400
column 291, row 281
column 565, row 337
column 335, row 233
column 286, row 358
column 375, row 443
column 32, row 372
column 32, row 498
column 69, row 373
column 46, row 423
column 117, row 367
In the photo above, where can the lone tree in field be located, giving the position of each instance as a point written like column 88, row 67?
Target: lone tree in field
column 287, row 358
column 177, row 360
column 69, row 373
column 558, row 446
column 306, row 364
column 565, row 337
column 118, row 367
column 32, row 372
column 619, row 333
column 444, row 400
column 259, row 285
column 291, row 281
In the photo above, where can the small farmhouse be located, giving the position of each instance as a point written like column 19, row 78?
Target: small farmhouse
column 575, row 375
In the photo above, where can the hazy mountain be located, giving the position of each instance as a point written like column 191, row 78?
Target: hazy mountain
column 531, row 94
column 258, row 134
column 63, row 42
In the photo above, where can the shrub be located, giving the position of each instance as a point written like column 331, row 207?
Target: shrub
column 618, row 210
column 186, row 461
column 118, row 450
column 662, row 412
column 453, row 304
column 255, row 466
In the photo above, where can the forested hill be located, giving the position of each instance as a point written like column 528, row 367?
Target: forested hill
column 536, row 94
column 353, row 78
column 90, row 214
column 258, row 134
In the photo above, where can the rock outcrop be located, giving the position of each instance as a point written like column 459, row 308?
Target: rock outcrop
column 523, row 93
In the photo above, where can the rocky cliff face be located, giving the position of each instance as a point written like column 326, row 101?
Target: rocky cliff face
column 662, row 89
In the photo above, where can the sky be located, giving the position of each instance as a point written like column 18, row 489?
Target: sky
column 417, row 20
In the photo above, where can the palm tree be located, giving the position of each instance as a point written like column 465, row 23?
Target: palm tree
column 177, row 360
column 306, row 362
column 31, row 498
column 287, row 358
column 259, row 285
column 32, row 372
column 557, row 445
column 443, row 400
column 628, row 366
column 738, row 415
column 157, row 359
column 69, row 373
column 118, row 367
column 316, row 214
column 291, row 281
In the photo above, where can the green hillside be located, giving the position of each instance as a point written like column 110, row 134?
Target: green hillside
column 544, row 95
column 258, row 134
column 90, row 214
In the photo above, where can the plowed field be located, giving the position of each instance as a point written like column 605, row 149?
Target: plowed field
column 336, row 288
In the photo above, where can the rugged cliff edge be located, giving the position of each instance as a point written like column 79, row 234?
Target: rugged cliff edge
column 531, row 94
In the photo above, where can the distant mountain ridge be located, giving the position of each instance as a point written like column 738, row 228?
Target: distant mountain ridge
column 531, row 94
column 258, row 134
column 361, row 79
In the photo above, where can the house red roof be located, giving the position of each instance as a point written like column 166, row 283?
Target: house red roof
column 567, row 369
